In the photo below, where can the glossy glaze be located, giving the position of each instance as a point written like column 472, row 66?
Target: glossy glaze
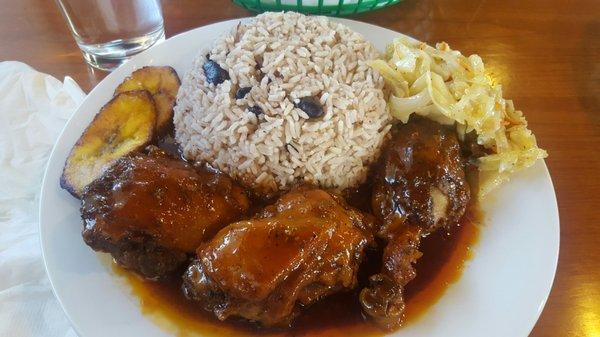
column 307, row 245
column 336, row 316
column 419, row 187
column 163, row 198
column 420, row 180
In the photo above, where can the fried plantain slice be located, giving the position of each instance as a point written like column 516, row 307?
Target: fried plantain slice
column 164, row 110
column 125, row 124
column 163, row 83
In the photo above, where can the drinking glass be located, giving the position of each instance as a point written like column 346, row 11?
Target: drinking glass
column 108, row 32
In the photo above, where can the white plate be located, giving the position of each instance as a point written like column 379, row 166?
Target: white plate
column 501, row 293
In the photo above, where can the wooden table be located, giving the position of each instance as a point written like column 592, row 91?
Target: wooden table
column 546, row 54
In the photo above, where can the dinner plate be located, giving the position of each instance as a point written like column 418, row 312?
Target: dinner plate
column 501, row 292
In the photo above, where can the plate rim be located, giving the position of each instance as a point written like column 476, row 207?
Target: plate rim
column 133, row 59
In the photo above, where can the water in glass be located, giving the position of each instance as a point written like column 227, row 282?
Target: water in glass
column 110, row 31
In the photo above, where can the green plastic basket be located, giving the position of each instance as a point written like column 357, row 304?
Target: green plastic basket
column 321, row 7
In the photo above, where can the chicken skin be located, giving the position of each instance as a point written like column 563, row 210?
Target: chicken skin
column 308, row 245
column 150, row 210
column 419, row 187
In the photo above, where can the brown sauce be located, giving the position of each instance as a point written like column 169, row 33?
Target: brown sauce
column 339, row 315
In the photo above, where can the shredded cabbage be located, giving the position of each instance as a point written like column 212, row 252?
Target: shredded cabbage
column 443, row 85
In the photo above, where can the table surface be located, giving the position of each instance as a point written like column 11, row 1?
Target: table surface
column 546, row 53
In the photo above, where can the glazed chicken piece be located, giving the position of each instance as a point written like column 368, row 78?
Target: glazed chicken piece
column 419, row 187
column 308, row 245
column 150, row 210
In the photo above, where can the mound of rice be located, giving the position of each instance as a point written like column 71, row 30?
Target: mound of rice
column 284, row 57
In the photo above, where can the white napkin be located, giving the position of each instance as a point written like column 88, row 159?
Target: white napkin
column 33, row 110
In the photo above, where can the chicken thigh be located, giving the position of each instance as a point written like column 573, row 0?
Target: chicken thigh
column 150, row 210
column 309, row 244
column 419, row 187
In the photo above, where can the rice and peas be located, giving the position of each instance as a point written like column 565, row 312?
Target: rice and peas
column 287, row 97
